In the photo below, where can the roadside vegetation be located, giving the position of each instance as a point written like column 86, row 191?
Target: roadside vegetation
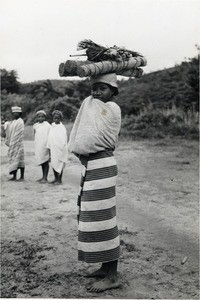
column 160, row 104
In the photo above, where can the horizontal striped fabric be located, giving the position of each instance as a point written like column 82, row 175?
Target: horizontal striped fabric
column 98, row 237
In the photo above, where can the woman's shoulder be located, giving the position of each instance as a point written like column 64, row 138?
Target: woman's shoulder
column 87, row 100
column 36, row 125
column 62, row 125
column 21, row 121
column 47, row 124
column 114, row 106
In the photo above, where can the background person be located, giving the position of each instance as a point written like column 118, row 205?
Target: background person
column 42, row 153
column 3, row 130
column 14, row 140
column 57, row 144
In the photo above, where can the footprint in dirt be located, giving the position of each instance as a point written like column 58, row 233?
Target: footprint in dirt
column 41, row 208
column 59, row 217
column 63, row 201
column 170, row 269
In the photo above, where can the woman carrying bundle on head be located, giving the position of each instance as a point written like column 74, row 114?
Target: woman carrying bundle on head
column 14, row 140
column 57, row 144
column 42, row 153
column 93, row 140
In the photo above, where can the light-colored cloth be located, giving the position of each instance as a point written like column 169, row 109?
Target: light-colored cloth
column 16, row 109
column 41, row 112
column 57, row 143
column 14, row 141
column 98, row 237
column 6, row 125
column 41, row 135
column 96, row 127
column 4, row 128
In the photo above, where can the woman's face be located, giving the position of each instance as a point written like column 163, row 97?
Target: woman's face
column 16, row 115
column 56, row 119
column 40, row 118
column 102, row 91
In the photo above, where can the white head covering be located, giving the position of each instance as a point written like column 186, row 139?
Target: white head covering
column 57, row 112
column 110, row 79
column 42, row 112
column 16, row 109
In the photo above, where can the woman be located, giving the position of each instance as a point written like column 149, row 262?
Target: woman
column 41, row 131
column 57, row 144
column 14, row 140
column 93, row 139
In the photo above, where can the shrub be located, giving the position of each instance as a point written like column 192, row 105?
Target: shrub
column 161, row 122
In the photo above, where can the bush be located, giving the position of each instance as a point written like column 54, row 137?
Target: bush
column 161, row 122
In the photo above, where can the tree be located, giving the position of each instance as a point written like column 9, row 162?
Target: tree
column 9, row 81
column 193, row 80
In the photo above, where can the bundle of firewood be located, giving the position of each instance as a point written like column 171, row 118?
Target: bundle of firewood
column 101, row 60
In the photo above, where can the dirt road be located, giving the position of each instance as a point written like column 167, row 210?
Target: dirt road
column 157, row 212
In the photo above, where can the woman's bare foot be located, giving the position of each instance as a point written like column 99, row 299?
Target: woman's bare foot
column 20, row 179
column 103, row 285
column 98, row 274
column 39, row 180
column 12, row 179
column 52, row 182
column 43, row 180
column 58, row 182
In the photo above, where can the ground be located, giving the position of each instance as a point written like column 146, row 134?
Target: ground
column 157, row 213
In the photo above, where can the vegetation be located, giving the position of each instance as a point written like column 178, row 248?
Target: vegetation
column 9, row 82
column 161, row 103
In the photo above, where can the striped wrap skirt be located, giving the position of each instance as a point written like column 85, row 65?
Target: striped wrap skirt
column 98, row 237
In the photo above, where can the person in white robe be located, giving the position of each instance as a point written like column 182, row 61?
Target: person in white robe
column 42, row 153
column 58, row 146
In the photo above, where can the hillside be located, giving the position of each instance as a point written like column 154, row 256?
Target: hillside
column 150, row 101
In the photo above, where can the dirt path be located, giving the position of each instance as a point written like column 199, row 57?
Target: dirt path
column 157, row 211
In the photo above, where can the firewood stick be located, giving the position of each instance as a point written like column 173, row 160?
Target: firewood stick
column 73, row 55
column 135, row 72
column 69, row 68
column 104, row 67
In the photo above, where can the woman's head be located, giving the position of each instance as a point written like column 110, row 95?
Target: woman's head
column 16, row 112
column 104, row 87
column 41, row 116
column 57, row 116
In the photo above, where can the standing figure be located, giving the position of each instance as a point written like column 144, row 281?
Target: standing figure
column 4, row 126
column 93, row 139
column 57, row 143
column 14, row 140
column 42, row 153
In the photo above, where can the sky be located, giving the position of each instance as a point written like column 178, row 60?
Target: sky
column 37, row 35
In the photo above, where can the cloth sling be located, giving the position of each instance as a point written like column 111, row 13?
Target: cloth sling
column 98, row 238
column 57, row 143
column 40, row 143
column 15, row 144
column 96, row 127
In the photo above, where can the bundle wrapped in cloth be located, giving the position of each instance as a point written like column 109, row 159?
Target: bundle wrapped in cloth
column 102, row 60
